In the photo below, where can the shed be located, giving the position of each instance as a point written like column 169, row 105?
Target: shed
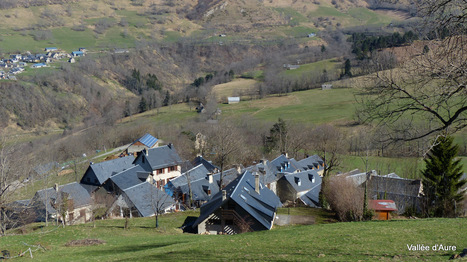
column 39, row 65
column 382, row 208
column 233, row 99
column 77, row 53
column 50, row 49
column 326, row 86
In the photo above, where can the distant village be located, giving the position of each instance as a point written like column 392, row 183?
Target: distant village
column 16, row 63
column 149, row 179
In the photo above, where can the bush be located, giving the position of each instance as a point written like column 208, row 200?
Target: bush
column 344, row 198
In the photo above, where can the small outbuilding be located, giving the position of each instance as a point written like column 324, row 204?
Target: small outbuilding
column 233, row 99
column 382, row 208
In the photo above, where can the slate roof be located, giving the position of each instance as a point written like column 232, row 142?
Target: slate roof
column 161, row 157
column 196, row 173
column 285, row 165
column 129, row 177
column 308, row 183
column 302, row 181
column 311, row 162
column 199, row 182
column 201, row 160
column 143, row 194
column 260, row 206
column 76, row 192
column 268, row 172
column 147, row 140
column 104, row 170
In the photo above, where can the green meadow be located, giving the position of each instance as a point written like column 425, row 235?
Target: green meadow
column 352, row 241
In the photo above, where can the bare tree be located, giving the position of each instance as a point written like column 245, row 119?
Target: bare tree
column 159, row 202
column 428, row 93
column 224, row 141
column 344, row 198
column 328, row 141
column 9, row 175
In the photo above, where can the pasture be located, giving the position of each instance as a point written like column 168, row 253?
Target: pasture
column 369, row 241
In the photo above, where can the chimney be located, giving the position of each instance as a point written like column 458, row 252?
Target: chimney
column 257, row 183
column 170, row 145
column 239, row 169
column 224, row 195
column 210, row 178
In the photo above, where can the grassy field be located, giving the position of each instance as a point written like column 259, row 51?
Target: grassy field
column 354, row 241
column 328, row 65
column 234, row 88
column 308, row 107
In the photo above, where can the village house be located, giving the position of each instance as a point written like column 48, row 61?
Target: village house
column 77, row 53
column 73, row 200
column 268, row 174
column 39, row 65
column 303, row 186
column 98, row 173
column 243, row 205
column 164, row 163
column 147, row 141
column 127, row 178
column 142, row 200
column 313, row 162
column 201, row 183
column 283, row 164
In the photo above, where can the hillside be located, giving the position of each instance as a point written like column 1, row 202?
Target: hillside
column 375, row 240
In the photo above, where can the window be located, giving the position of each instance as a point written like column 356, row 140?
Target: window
column 172, row 168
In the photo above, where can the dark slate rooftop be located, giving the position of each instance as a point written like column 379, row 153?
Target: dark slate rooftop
column 200, row 160
column 312, row 162
column 129, row 177
column 161, row 157
column 142, row 195
column 76, row 191
column 303, row 181
column 106, row 169
column 147, row 140
column 268, row 172
column 199, row 182
column 261, row 206
column 283, row 164
column 196, row 173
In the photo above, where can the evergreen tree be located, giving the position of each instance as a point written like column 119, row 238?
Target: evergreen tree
column 143, row 105
column 277, row 137
column 442, row 179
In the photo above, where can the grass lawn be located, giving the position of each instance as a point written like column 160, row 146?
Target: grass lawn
column 69, row 40
column 312, row 106
column 329, row 65
column 368, row 241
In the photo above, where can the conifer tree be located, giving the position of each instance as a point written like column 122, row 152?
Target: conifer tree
column 442, row 179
